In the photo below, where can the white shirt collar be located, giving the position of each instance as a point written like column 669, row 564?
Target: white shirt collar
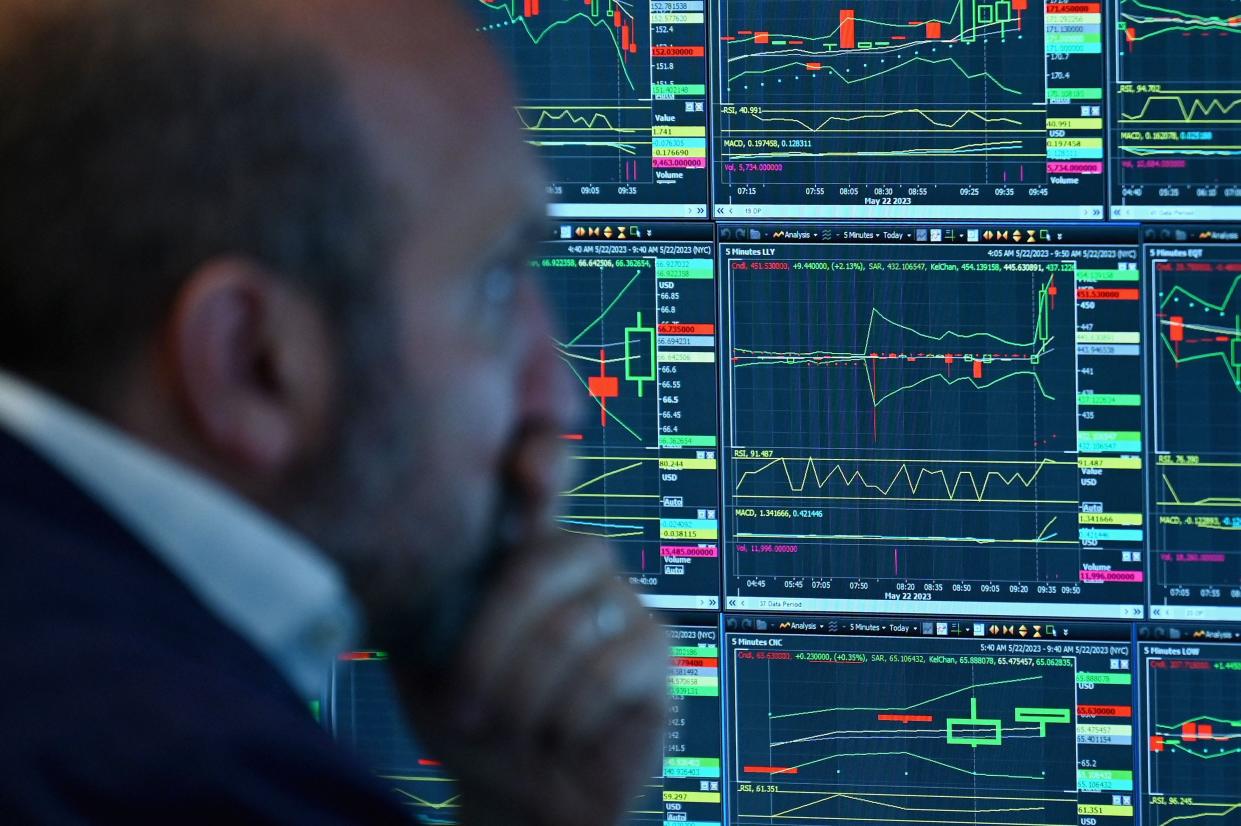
column 264, row 581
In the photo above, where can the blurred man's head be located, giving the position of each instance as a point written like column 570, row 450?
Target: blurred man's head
column 284, row 240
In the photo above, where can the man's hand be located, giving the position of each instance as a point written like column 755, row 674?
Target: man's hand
column 555, row 712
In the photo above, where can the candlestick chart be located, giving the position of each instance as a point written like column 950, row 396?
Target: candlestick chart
column 886, row 731
column 889, row 107
column 1176, row 132
column 604, row 91
column 911, row 423
column 1197, row 386
column 644, row 458
column 863, row 393
column 1193, row 735
column 364, row 715
column 1198, row 322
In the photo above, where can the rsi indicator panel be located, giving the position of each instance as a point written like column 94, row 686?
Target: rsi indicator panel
column 1195, row 484
column 920, row 416
column 1191, row 722
column 1176, row 137
column 890, row 721
column 362, row 711
column 613, row 97
column 635, row 309
column 891, row 109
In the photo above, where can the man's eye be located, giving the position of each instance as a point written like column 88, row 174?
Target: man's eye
column 498, row 286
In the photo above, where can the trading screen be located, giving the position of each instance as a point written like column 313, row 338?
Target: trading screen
column 907, row 344
column 951, row 421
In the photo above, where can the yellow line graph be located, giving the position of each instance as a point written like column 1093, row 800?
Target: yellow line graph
column 1044, row 537
column 578, row 492
column 847, row 116
column 552, row 120
column 1196, row 112
column 1225, row 809
column 1205, row 502
column 450, row 803
column 935, row 804
column 964, row 486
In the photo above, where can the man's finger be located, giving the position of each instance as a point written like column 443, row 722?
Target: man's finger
column 537, row 583
column 628, row 675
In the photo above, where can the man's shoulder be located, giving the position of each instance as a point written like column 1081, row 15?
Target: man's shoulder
column 125, row 699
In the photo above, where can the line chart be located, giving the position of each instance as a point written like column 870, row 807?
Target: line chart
column 1203, row 340
column 1192, row 734
column 905, row 480
column 1197, row 516
column 1025, row 354
column 900, row 355
column 1176, row 136
column 613, row 97
column 1182, row 810
column 645, row 462
column 897, row 730
column 1198, row 325
column 952, row 109
column 911, row 422
column 1196, row 384
column 363, row 713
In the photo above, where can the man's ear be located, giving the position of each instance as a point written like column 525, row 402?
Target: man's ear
column 250, row 362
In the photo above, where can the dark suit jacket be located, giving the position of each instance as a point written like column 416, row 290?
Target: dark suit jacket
column 123, row 700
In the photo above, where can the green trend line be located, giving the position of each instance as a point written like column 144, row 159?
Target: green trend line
column 1188, row 22
column 1179, row 290
column 918, row 704
column 595, row 321
column 1039, row 346
column 1179, row 745
column 1175, row 745
column 1231, row 353
column 1201, row 718
column 612, row 417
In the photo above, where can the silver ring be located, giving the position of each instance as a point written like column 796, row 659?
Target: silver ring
column 609, row 620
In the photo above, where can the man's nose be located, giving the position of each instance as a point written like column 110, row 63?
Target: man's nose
column 547, row 395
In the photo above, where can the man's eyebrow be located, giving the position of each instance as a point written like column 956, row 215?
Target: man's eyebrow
column 534, row 231
column 524, row 238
